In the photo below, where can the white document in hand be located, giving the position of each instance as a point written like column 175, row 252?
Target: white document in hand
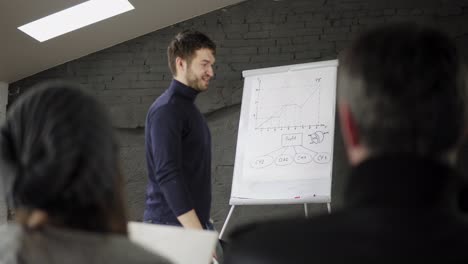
column 180, row 245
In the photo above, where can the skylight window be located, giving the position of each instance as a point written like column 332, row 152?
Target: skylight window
column 75, row 17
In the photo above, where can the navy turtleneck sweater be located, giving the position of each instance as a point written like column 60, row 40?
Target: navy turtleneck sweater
column 178, row 155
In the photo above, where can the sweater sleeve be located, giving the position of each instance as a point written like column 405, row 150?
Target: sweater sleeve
column 166, row 129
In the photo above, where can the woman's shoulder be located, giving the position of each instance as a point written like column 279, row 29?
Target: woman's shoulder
column 102, row 248
column 10, row 243
column 52, row 245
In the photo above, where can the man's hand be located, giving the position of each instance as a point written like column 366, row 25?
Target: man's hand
column 190, row 220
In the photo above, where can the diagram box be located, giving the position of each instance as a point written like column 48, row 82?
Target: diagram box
column 291, row 140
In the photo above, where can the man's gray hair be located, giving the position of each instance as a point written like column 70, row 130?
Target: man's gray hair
column 405, row 86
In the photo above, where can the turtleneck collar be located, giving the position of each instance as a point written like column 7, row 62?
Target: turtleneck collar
column 183, row 90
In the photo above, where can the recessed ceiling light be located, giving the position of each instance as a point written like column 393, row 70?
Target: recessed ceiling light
column 75, row 17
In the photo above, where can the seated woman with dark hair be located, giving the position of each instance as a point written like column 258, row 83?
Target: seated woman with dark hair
column 59, row 166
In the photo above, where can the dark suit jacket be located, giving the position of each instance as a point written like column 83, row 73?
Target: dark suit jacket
column 398, row 209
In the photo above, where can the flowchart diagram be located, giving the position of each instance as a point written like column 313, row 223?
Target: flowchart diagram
column 292, row 150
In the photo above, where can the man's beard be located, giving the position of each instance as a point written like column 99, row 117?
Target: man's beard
column 195, row 82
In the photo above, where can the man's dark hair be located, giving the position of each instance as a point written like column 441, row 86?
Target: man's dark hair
column 406, row 89
column 58, row 154
column 185, row 44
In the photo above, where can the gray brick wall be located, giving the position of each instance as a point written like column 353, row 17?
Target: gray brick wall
column 3, row 107
column 253, row 34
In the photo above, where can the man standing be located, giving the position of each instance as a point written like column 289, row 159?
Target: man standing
column 178, row 141
column 402, row 111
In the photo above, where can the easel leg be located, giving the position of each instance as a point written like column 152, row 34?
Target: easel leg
column 329, row 207
column 226, row 222
column 306, row 212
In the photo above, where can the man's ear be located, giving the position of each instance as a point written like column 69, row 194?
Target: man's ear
column 181, row 65
column 348, row 125
column 357, row 151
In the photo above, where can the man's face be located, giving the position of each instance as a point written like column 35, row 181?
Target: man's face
column 200, row 70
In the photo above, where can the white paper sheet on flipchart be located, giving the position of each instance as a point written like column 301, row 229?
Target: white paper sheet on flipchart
column 286, row 123
column 180, row 245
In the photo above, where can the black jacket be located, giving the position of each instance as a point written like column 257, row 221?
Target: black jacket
column 397, row 209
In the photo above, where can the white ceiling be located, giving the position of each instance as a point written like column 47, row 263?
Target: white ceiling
column 22, row 56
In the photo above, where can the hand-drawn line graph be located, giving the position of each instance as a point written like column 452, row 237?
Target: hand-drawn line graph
column 287, row 105
column 292, row 150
